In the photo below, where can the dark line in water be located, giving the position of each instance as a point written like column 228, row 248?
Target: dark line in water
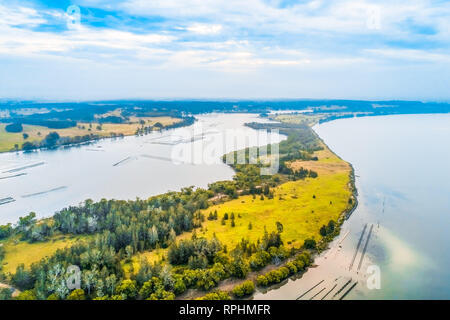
column 357, row 247
column 121, row 161
column 43, row 192
column 326, row 294
column 24, row 167
column 343, row 287
column 365, row 247
column 13, row 176
column 164, row 143
column 348, row 291
column 317, row 294
column 6, row 200
column 309, row 290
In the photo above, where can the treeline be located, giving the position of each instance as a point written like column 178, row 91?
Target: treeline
column 53, row 139
column 300, row 263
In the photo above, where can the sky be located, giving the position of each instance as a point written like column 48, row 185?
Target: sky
column 78, row 50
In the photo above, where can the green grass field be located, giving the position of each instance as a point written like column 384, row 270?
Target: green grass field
column 17, row 252
column 38, row 133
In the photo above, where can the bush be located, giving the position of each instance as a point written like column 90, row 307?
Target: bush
column 216, row 295
column 127, row 288
column 77, row 294
column 310, row 244
column 292, row 268
column 239, row 268
column 262, row 281
column 259, row 260
column 244, row 289
column 26, row 295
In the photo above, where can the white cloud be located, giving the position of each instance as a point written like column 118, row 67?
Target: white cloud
column 205, row 29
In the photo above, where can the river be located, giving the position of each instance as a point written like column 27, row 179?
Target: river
column 124, row 168
column 403, row 180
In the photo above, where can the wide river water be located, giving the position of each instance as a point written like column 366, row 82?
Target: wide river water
column 48, row 180
column 403, row 180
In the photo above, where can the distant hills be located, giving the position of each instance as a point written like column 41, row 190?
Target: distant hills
column 66, row 113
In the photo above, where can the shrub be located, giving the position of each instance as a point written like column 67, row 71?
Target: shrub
column 292, row 267
column 127, row 288
column 26, row 295
column 259, row 260
column 216, row 295
column 77, row 294
column 244, row 289
column 310, row 244
column 262, row 281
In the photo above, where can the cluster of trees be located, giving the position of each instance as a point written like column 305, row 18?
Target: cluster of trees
column 14, row 128
column 197, row 253
column 53, row 139
column 276, row 276
column 328, row 229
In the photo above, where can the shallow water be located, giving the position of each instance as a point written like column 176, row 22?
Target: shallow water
column 49, row 180
column 403, row 180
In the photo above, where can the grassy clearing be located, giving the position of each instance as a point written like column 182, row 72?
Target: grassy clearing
column 17, row 252
column 37, row 133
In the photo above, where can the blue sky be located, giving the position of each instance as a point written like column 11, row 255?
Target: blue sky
column 380, row 49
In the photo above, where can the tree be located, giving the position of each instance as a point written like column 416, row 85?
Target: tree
column 5, row 293
column 323, row 231
column 309, row 244
column 28, row 146
column 77, row 294
column 279, row 227
column 26, row 295
column 22, row 279
column 216, row 295
column 51, row 139
column 330, row 227
column 127, row 288
column 244, row 289
column 14, row 127
column 239, row 267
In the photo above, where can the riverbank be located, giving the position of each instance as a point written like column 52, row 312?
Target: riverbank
column 87, row 132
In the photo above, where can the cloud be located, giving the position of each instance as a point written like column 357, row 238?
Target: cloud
column 205, row 29
column 296, row 42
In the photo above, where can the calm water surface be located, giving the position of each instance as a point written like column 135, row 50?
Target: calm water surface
column 403, row 180
column 118, row 169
